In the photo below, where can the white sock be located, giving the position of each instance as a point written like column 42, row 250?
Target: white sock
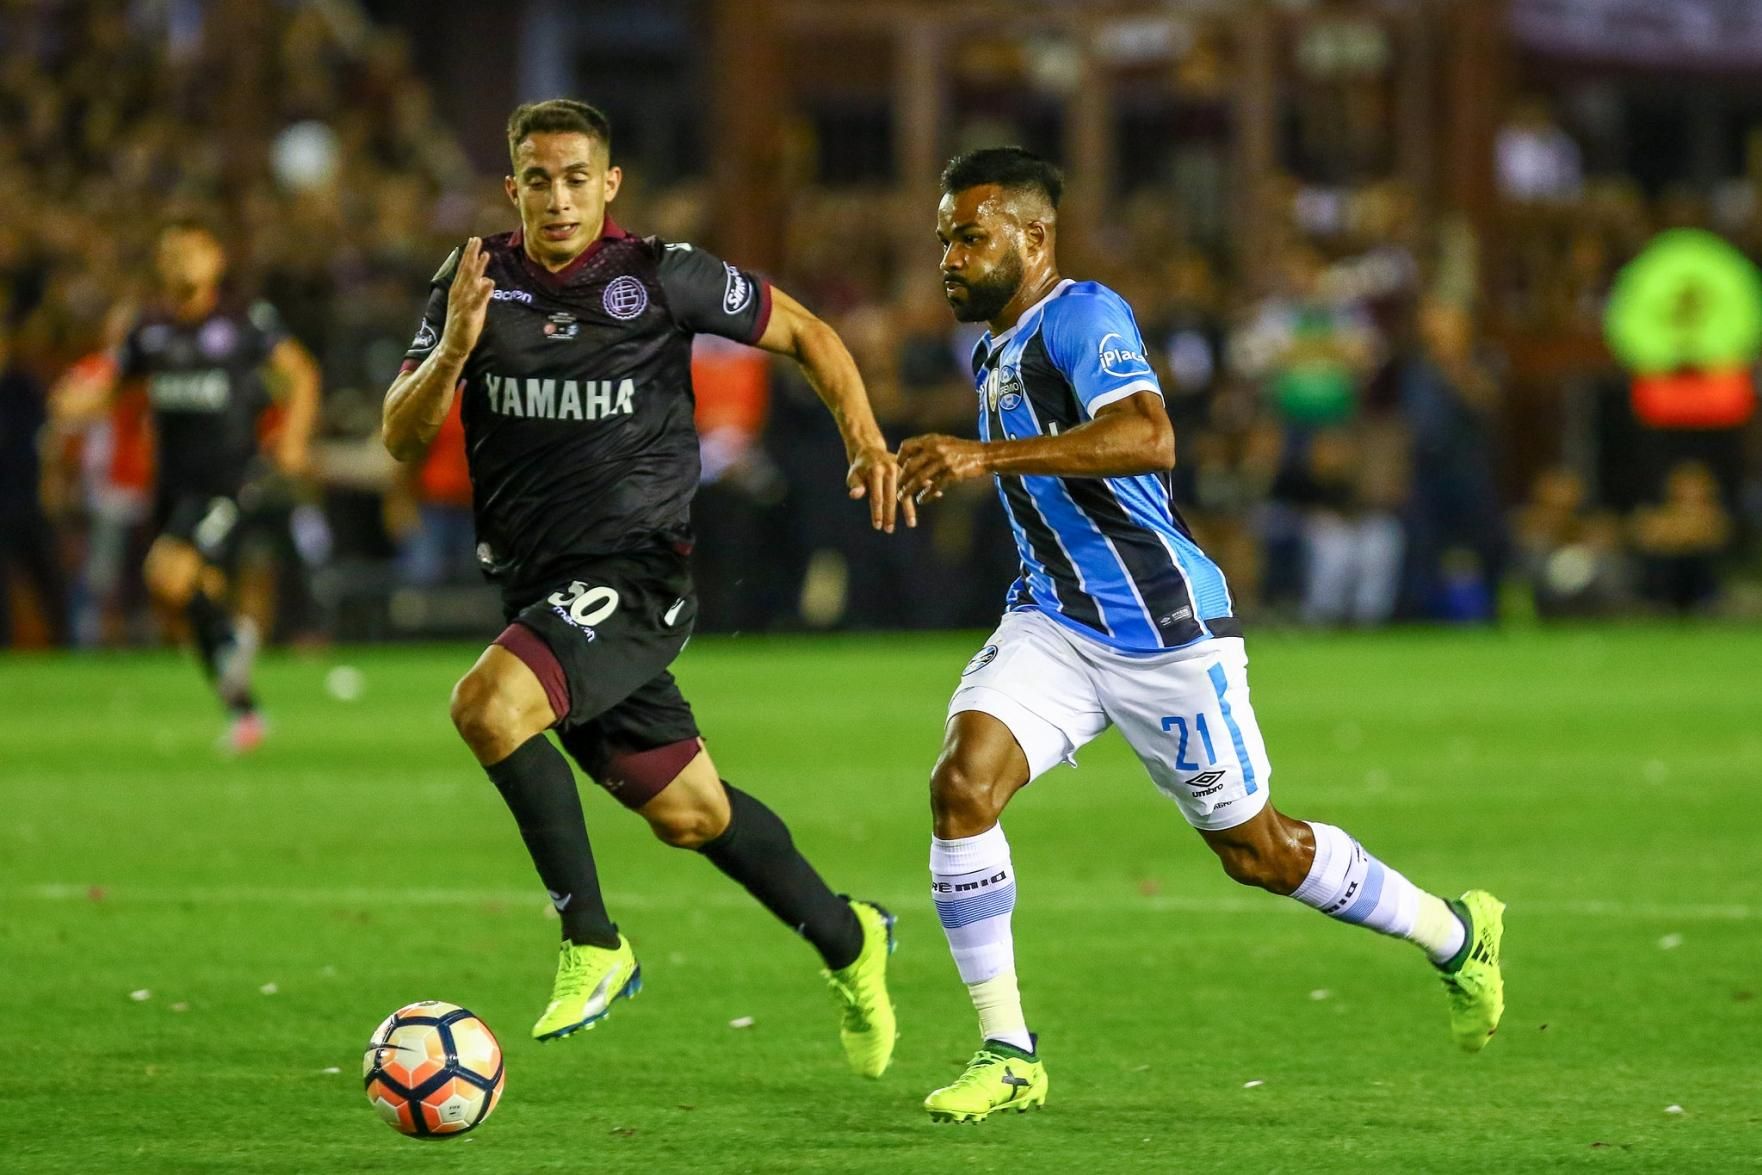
column 974, row 887
column 1347, row 883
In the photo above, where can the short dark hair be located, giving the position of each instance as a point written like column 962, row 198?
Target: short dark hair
column 184, row 221
column 1011, row 168
column 558, row 116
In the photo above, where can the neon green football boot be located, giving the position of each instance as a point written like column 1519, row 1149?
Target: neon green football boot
column 999, row 1077
column 1472, row 979
column 588, row 980
column 868, row 1029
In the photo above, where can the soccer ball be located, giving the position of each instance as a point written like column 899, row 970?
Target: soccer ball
column 433, row 1070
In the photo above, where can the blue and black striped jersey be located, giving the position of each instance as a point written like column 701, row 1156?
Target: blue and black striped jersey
column 1110, row 557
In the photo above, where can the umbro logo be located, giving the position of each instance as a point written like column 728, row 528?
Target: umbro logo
column 1206, row 783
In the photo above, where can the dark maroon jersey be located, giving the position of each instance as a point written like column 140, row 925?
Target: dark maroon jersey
column 204, row 381
column 577, row 399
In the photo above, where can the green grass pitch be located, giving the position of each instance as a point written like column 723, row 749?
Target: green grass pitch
column 1606, row 783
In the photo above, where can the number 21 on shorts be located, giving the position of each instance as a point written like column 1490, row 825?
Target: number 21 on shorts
column 1179, row 725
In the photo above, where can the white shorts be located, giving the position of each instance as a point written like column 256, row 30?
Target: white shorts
column 1184, row 712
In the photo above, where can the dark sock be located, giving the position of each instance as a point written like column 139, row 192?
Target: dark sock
column 538, row 787
column 211, row 627
column 756, row 851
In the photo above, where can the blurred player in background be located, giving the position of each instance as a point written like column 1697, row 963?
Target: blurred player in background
column 1118, row 618
column 569, row 342
column 210, row 367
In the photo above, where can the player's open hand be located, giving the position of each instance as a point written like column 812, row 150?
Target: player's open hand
column 874, row 474
column 468, row 299
column 930, row 464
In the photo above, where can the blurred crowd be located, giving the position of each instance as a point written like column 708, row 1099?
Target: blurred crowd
column 1343, row 431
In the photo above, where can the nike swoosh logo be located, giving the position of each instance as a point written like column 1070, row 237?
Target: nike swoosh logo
column 561, row 901
column 672, row 613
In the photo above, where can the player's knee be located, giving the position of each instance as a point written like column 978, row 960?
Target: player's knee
column 964, row 802
column 688, row 828
column 169, row 586
column 484, row 718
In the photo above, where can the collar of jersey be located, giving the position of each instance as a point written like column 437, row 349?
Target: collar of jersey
column 992, row 344
column 609, row 231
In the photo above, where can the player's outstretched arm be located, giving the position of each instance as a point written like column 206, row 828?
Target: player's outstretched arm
column 418, row 401
column 794, row 331
column 1128, row 437
column 296, row 375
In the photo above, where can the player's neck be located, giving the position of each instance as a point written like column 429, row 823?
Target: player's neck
column 195, row 305
column 557, row 266
column 1027, row 294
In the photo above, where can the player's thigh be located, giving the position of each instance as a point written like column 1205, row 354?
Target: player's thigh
column 692, row 808
column 603, row 634
column 1031, row 681
column 500, row 703
column 646, row 746
column 1190, row 721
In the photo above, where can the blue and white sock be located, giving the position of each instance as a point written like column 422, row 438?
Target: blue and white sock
column 1349, row 884
column 974, row 887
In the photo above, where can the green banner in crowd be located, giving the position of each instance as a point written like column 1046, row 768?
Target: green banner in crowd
column 1689, row 301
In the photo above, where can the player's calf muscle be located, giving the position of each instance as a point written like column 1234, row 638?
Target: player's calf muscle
column 1271, row 851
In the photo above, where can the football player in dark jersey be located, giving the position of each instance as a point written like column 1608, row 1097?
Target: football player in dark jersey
column 211, row 367
column 569, row 340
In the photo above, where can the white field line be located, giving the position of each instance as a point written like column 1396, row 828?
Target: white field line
column 717, row 897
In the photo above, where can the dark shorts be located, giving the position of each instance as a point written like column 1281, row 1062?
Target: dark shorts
column 207, row 521
column 600, row 643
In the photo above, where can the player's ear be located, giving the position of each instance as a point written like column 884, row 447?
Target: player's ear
column 512, row 189
column 614, row 181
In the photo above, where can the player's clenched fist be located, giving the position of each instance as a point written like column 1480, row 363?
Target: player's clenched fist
column 929, row 464
column 467, row 300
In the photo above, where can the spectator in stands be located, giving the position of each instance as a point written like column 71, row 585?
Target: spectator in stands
column 1571, row 552
column 1449, row 398
column 1680, row 540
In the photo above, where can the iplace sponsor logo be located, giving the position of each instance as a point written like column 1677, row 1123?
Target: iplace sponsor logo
column 1120, row 358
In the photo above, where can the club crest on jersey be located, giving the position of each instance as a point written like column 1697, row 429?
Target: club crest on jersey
column 1004, row 389
column 561, row 327
column 1119, row 358
column 625, row 298
column 1009, row 387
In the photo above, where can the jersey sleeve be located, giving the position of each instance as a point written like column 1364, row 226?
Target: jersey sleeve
column 434, row 315
column 709, row 296
column 131, row 360
column 1093, row 340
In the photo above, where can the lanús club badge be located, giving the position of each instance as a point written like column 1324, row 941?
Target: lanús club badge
column 625, row 297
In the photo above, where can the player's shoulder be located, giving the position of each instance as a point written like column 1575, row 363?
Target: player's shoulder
column 1082, row 302
column 675, row 256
